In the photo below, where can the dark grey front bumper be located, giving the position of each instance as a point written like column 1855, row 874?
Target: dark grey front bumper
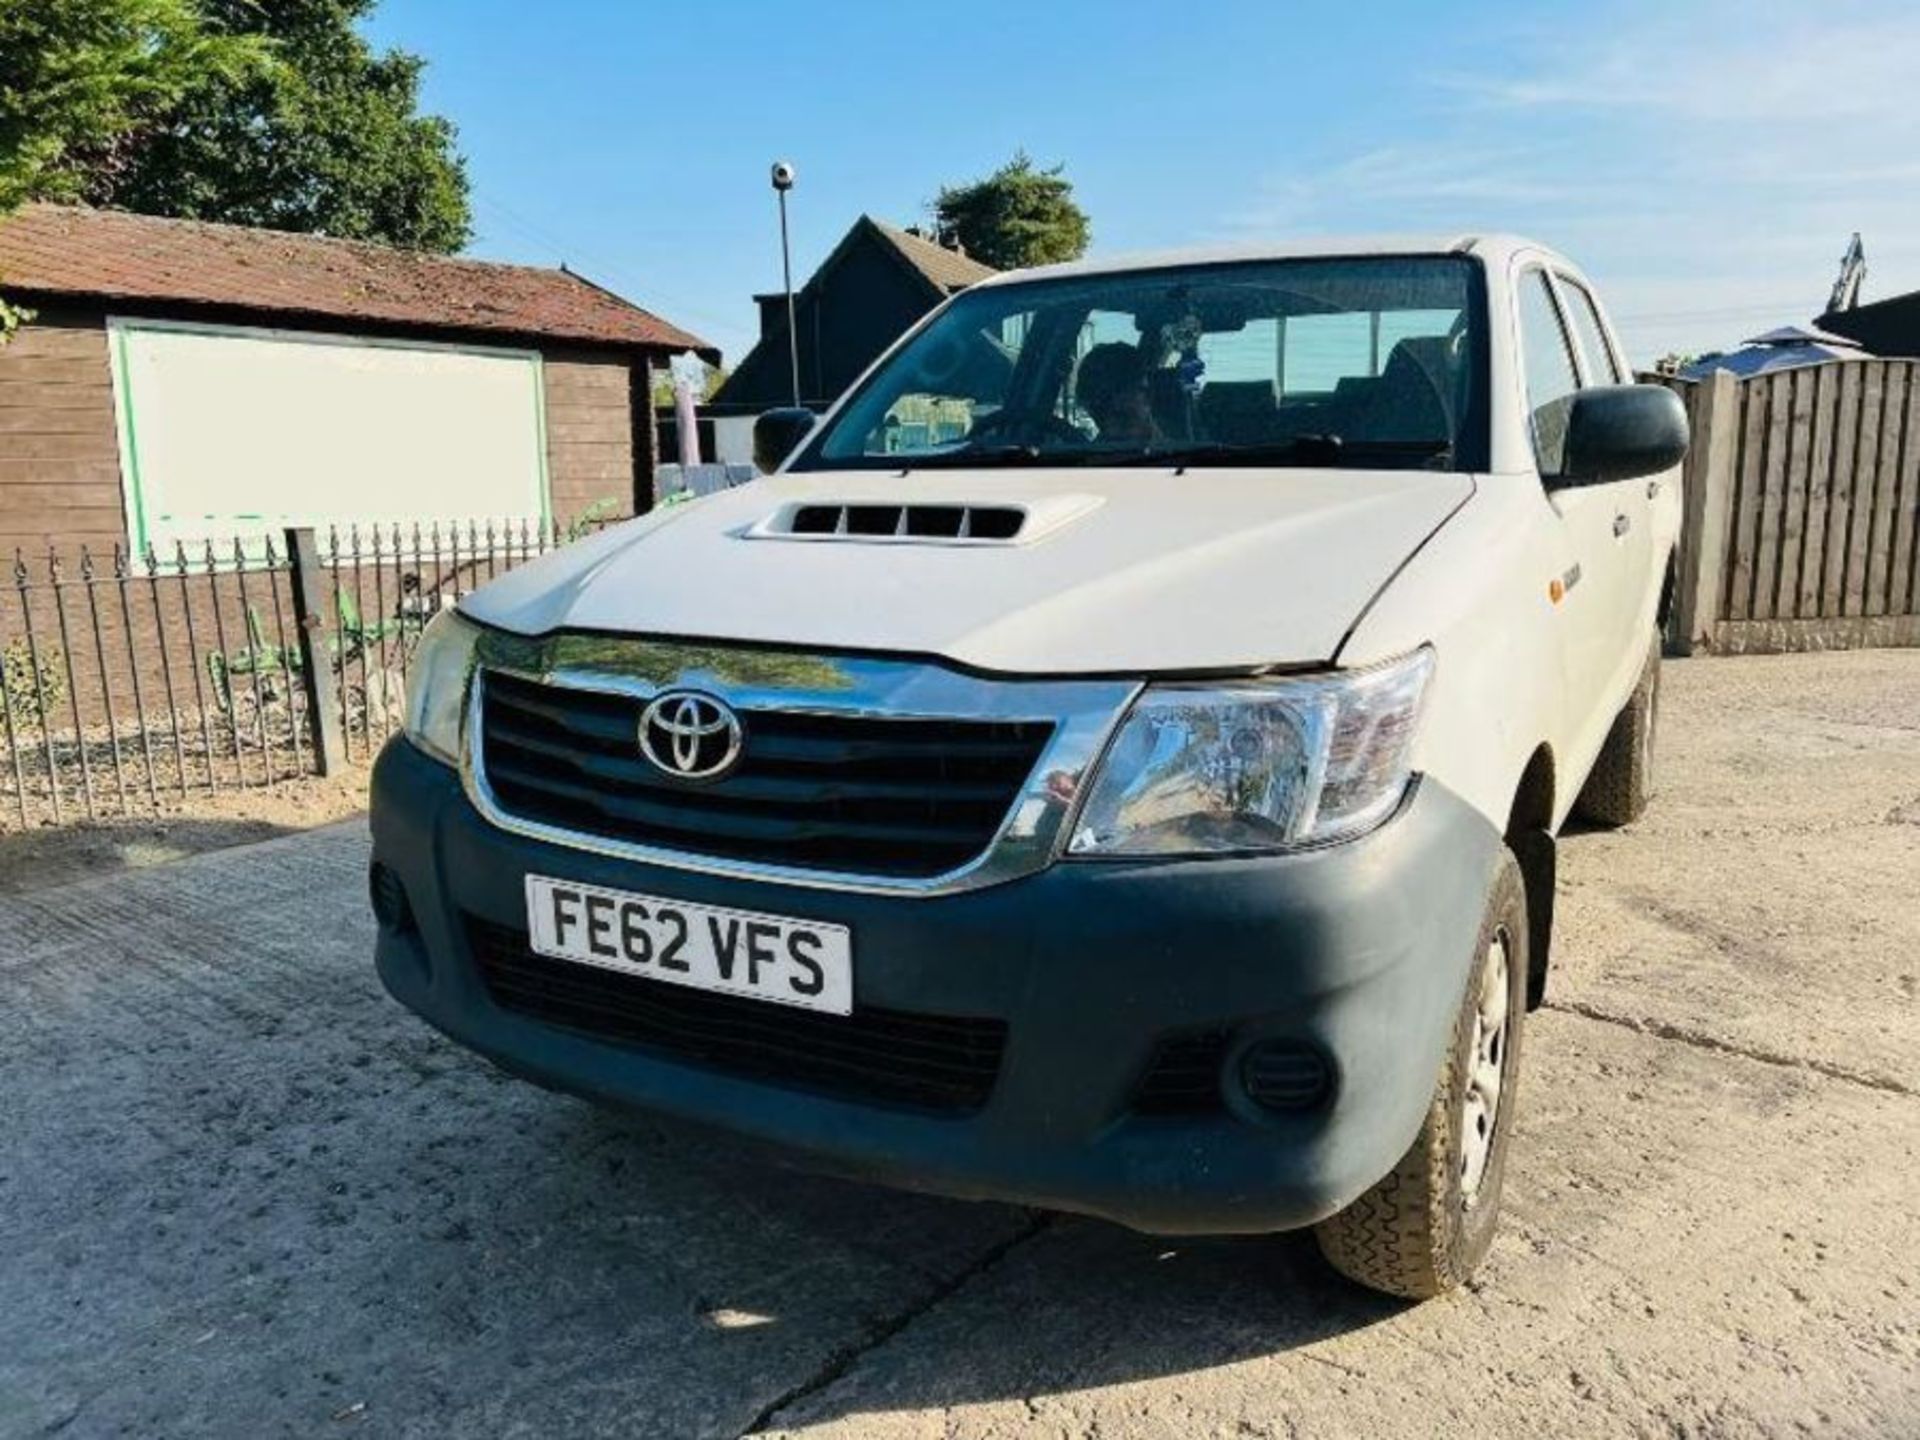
column 1360, row 950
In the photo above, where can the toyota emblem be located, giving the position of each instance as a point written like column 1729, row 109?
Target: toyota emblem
column 690, row 736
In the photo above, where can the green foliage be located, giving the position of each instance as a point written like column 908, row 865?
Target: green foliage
column 591, row 519
column 12, row 317
column 34, row 687
column 275, row 113
column 712, row 377
column 259, row 656
column 356, row 637
column 1018, row 215
column 327, row 141
column 80, row 78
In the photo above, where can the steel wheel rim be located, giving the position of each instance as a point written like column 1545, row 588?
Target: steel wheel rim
column 1486, row 1068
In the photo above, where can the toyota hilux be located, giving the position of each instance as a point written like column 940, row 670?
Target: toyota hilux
column 1113, row 763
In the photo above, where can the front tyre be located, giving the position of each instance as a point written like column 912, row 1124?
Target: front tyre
column 1425, row 1226
column 1617, row 791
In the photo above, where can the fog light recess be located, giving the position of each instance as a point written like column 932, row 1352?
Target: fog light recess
column 389, row 896
column 1285, row 1075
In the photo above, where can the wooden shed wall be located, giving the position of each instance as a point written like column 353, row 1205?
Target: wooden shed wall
column 59, row 454
column 59, row 448
column 591, row 439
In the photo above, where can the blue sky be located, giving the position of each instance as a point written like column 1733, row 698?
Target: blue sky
column 1705, row 161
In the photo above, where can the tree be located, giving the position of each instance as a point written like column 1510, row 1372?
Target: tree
column 78, row 78
column 706, row 379
column 258, row 112
column 328, row 140
column 1018, row 215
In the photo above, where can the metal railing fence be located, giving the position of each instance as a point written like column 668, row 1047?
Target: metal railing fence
column 131, row 683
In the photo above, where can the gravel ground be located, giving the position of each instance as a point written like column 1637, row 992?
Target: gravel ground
column 242, row 1193
column 43, row 854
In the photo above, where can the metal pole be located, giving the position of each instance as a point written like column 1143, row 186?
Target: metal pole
column 316, row 665
column 786, row 271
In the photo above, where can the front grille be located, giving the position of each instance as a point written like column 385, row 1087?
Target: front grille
column 909, row 798
column 1183, row 1078
column 891, row 1057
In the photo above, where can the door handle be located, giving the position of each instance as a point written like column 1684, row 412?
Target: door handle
column 1621, row 524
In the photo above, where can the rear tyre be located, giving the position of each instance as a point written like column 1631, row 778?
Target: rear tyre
column 1425, row 1226
column 1617, row 791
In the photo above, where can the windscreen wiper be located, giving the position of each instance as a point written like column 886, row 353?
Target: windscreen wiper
column 1309, row 449
column 1302, row 450
column 986, row 457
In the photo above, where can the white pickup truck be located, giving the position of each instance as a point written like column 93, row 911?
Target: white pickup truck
column 1113, row 765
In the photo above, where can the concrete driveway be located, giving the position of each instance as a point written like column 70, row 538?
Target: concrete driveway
column 243, row 1194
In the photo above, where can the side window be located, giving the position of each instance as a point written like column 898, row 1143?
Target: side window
column 1596, row 356
column 1548, row 363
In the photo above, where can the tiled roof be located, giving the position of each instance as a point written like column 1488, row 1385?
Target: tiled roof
column 112, row 255
column 948, row 269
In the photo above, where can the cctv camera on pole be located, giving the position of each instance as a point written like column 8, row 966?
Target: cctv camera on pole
column 782, row 183
column 777, row 433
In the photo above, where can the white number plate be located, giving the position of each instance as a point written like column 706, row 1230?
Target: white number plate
column 737, row 952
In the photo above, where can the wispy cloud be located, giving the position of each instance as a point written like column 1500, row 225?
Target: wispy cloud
column 1422, row 181
column 1737, row 62
column 1707, row 161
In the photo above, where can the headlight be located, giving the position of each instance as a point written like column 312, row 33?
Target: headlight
column 437, row 684
column 1260, row 765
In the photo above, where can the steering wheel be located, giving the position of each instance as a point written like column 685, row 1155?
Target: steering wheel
column 1028, row 428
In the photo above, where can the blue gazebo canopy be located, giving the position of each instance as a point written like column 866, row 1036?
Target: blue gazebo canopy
column 1781, row 348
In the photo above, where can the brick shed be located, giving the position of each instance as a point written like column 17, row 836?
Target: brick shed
column 184, row 381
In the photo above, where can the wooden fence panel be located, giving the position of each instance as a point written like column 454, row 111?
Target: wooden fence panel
column 1750, row 465
column 1803, row 509
column 1795, row 483
column 1854, row 404
column 1823, row 466
column 1903, row 583
column 1850, row 584
column 1886, row 481
column 1773, row 496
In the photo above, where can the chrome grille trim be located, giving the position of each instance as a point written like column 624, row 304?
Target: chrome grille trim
column 1084, row 714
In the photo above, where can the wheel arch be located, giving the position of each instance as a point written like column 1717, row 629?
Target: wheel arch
column 1530, row 836
column 1670, row 643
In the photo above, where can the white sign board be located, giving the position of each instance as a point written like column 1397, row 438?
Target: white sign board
column 230, row 432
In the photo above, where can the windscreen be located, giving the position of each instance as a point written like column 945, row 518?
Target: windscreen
column 1374, row 361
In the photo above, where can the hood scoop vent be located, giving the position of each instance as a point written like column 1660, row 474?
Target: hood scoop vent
column 911, row 522
column 930, row 523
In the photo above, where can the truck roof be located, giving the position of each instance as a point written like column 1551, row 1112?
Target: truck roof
column 1490, row 247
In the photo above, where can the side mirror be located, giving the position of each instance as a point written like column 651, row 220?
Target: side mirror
column 1622, row 432
column 777, row 434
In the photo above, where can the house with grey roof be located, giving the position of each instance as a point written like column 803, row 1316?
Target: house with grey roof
column 876, row 283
